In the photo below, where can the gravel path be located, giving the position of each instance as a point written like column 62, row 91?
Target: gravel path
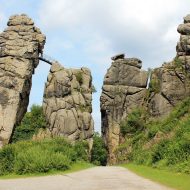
column 97, row 178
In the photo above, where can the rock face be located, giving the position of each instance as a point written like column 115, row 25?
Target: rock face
column 171, row 83
column 123, row 90
column 67, row 103
column 20, row 45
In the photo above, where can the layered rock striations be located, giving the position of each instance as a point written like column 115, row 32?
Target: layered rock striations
column 67, row 103
column 20, row 46
column 124, row 89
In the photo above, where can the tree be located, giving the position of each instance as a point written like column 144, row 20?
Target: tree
column 99, row 151
column 31, row 123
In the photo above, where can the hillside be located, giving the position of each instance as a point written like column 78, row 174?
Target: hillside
column 163, row 144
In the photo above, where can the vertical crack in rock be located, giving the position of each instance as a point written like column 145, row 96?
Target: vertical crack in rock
column 20, row 46
column 67, row 103
column 123, row 90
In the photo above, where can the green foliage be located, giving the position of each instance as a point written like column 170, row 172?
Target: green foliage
column 93, row 89
column 81, row 151
column 162, row 143
column 177, row 63
column 79, row 77
column 134, row 123
column 155, row 85
column 85, row 108
column 99, row 152
column 7, row 158
column 31, row 123
column 41, row 156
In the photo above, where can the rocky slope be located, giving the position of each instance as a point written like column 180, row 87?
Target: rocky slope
column 20, row 45
column 67, row 103
column 124, row 89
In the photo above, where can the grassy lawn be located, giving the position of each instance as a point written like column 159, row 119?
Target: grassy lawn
column 74, row 168
column 174, row 180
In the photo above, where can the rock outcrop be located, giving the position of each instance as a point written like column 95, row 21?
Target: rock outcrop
column 124, row 89
column 20, row 46
column 171, row 83
column 67, row 103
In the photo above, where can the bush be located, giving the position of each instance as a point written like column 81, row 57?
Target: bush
column 80, row 151
column 99, row 152
column 37, row 160
column 135, row 122
column 155, row 81
column 177, row 62
column 41, row 156
column 93, row 89
column 31, row 123
column 79, row 77
column 7, row 159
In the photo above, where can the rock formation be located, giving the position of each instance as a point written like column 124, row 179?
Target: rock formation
column 67, row 103
column 124, row 89
column 20, row 45
column 171, row 83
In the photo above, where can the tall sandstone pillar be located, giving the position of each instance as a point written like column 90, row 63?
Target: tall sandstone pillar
column 20, row 46
column 67, row 103
column 124, row 89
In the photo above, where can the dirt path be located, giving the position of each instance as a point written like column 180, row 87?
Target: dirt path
column 97, row 178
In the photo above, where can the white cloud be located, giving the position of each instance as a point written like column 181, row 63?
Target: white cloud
column 134, row 26
column 144, row 29
column 171, row 35
column 67, row 13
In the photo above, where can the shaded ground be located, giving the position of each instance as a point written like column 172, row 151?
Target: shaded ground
column 97, row 178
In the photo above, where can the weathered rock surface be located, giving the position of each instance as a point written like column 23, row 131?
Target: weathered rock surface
column 20, row 45
column 124, row 89
column 170, row 83
column 67, row 103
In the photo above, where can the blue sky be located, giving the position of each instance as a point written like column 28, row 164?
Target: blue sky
column 88, row 32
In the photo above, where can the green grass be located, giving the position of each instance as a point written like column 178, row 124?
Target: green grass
column 171, row 179
column 78, row 166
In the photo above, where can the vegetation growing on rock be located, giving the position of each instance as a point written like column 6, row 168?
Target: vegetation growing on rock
column 162, row 143
column 79, row 77
column 134, row 123
column 155, row 85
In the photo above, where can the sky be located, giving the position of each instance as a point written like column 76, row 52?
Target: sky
column 87, row 33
